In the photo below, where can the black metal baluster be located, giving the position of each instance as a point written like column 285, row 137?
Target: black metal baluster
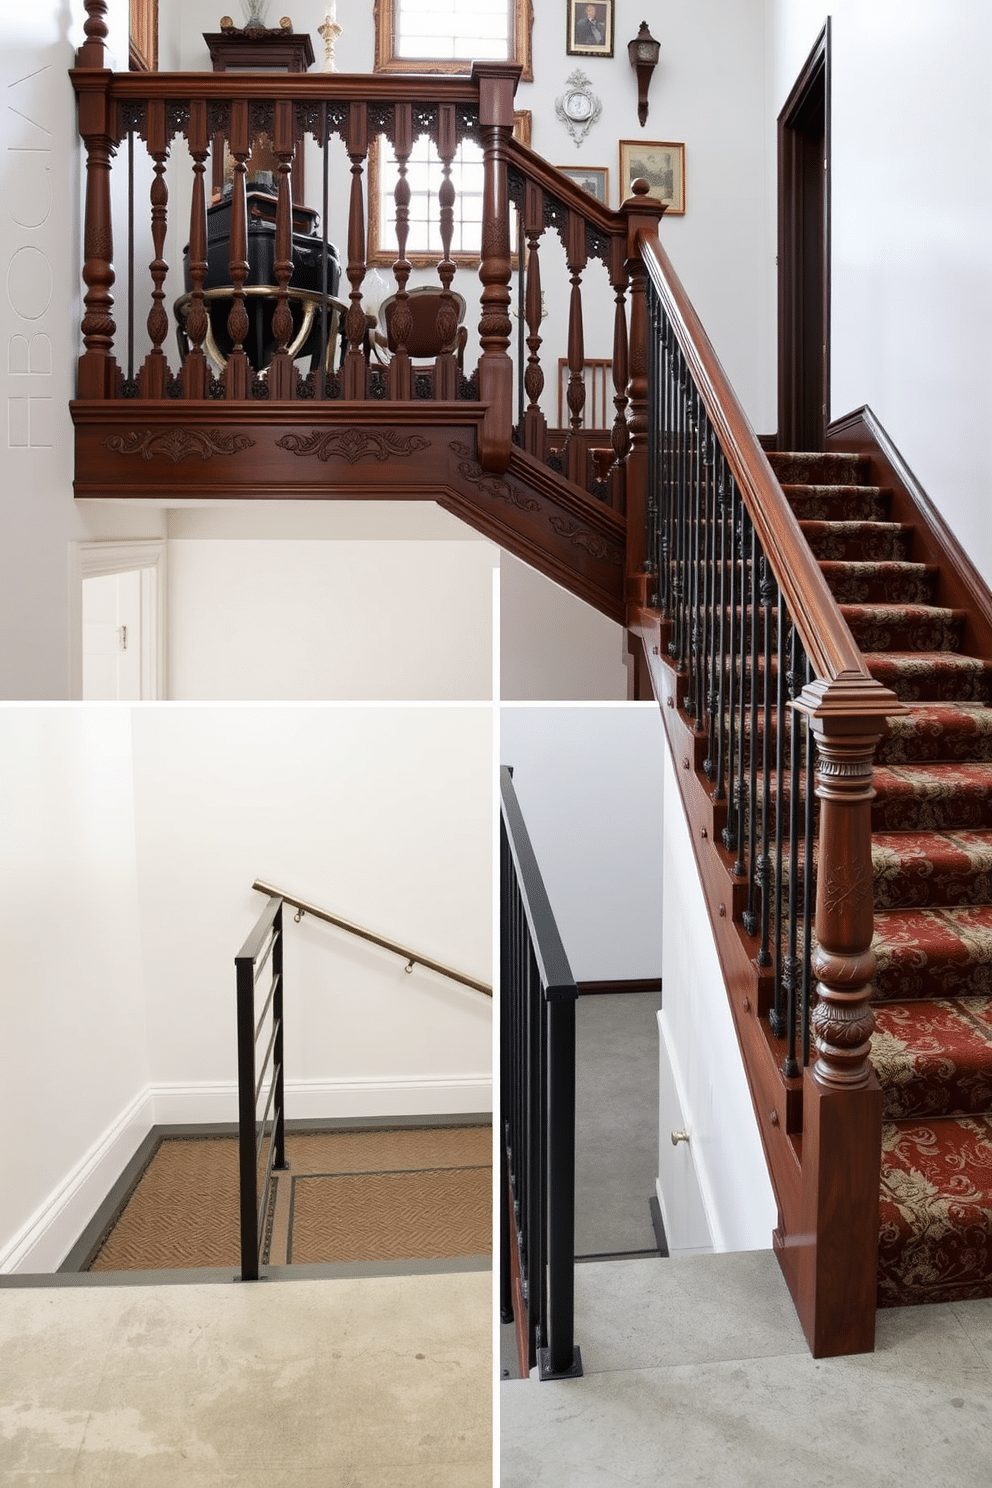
column 777, row 1015
column 712, row 591
column 751, row 912
column 808, row 886
column 746, row 542
column 792, row 970
column 726, row 633
column 768, row 591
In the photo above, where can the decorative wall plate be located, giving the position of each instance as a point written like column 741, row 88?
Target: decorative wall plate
column 578, row 108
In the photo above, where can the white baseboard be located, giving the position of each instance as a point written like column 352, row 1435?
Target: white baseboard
column 313, row 1100
column 44, row 1241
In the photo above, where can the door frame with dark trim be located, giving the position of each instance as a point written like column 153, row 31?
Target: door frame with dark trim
column 804, row 255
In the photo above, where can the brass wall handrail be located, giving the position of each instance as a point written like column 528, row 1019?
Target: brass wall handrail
column 412, row 958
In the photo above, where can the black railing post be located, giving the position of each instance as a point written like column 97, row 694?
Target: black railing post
column 537, row 1056
column 248, row 1167
column 279, row 1156
column 559, row 1358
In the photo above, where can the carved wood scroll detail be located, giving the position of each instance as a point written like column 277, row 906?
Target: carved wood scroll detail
column 595, row 546
column 353, row 445
column 178, row 444
column 492, row 485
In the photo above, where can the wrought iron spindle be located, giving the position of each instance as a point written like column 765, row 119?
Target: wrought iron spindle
column 808, row 884
column 751, row 912
column 712, row 592
column 777, row 1015
column 723, row 638
column 745, row 738
column 792, row 968
column 735, row 639
column 768, row 592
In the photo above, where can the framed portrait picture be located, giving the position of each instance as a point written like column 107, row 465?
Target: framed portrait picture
column 590, row 28
column 661, row 164
column 592, row 178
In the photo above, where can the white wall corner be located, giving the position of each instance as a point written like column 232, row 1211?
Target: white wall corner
column 43, row 1242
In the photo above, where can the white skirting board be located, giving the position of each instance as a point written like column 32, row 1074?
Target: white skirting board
column 43, row 1241
column 46, row 1238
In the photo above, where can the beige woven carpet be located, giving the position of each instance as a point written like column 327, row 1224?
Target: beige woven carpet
column 396, row 1193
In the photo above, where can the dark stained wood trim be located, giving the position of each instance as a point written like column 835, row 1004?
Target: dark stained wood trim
column 804, row 259
column 834, row 1320
column 256, row 451
column 641, row 984
column 960, row 585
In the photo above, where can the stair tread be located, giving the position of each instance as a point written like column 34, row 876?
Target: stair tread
column 933, row 676
column 935, row 1239
column 934, row 952
column 932, row 731
column 913, row 869
column 939, row 797
column 934, row 1058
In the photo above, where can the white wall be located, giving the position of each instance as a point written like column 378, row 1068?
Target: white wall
column 40, row 307
column 73, row 1068
column 329, row 600
column 553, row 646
column 911, row 325
column 381, row 815
column 590, row 788
column 723, row 1160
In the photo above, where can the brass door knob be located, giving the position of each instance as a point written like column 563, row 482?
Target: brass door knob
column 677, row 1137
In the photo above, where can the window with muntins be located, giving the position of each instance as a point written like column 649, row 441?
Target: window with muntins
column 449, row 35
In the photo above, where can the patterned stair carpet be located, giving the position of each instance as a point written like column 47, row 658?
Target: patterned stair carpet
column 370, row 1194
column 932, row 859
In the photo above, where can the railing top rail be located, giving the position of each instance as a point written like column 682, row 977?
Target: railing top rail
column 256, row 937
column 833, row 651
column 414, row 957
column 552, row 962
column 535, row 168
column 302, row 87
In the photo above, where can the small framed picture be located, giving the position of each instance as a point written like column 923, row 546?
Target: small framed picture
column 661, row 164
column 592, row 178
column 590, row 28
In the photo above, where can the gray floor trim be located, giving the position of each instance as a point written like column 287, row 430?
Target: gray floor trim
column 94, row 1232
column 224, row 1275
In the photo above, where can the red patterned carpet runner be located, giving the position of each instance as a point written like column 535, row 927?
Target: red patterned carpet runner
column 380, row 1194
column 932, row 858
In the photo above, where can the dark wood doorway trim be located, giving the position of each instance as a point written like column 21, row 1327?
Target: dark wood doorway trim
column 804, row 255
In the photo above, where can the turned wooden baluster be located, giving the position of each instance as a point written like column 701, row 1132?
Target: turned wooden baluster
column 92, row 53
column 620, row 437
column 151, row 378
column 400, row 371
column 842, row 1102
column 282, row 372
column 237, row 373
column 99, row 374
column 497, row 84
column 195, row 371
column 354, row 371
column 535, row 431
column 445, row 364
column 576, row 258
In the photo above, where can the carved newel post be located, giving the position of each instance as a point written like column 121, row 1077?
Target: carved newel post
column 842, row 1100
column 497, row 86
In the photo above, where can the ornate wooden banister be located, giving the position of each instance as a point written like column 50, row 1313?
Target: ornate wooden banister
column 755, row 636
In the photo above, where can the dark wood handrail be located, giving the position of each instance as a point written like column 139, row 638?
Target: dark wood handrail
column 833, row 651
column 291, row 87
column 413, row 958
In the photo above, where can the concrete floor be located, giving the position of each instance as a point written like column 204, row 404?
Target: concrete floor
column 697, row 1373
column 616, row 1121
column 379, row 1382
